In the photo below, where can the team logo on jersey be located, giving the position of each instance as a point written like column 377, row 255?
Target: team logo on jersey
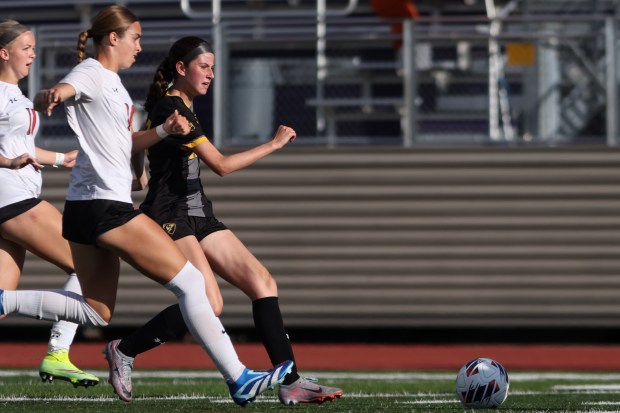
column 12, row 100
column 191, row 126
column 170, row 228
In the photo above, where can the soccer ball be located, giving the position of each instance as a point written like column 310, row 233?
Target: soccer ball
column 482, row 383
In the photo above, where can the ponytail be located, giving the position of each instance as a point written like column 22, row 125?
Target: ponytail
column 81, row 45
column 164, row 75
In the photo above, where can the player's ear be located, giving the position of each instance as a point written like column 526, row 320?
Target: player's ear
column 113, row 38
column 180, row 67
column 4, row 54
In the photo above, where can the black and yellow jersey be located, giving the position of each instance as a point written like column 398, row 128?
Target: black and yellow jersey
column 174, row 183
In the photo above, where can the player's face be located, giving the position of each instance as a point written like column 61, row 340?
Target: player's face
column 129, row 45
column 21, row 54
column 200, row 73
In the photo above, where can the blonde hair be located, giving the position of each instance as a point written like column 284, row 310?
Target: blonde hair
column 113, row 18
column 10, row 30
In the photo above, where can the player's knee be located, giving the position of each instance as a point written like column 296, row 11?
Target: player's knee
column 97, row 318
column 266, row 285
column 270, row 284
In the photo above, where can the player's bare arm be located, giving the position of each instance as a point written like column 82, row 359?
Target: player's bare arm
column 226, row 164
column 46, row 157
column 19, row 162
column 48, row 99
column 175, row 124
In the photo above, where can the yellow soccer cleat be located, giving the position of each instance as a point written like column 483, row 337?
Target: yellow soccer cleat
column 56, row 365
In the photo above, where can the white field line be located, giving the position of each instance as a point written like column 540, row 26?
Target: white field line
column 418, row 398
column 390, row 376
column 588, row 387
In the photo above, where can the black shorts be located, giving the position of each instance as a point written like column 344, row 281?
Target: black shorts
column 180, row 225
column 18, row 208
column 84, row 221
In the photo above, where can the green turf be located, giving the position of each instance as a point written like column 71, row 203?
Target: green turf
column 22, row 391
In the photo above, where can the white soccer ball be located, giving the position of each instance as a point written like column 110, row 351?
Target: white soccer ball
column 482, row 383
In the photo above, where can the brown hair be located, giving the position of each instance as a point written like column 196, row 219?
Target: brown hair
column 10, row 30
column 183, row 50
column 113, row 18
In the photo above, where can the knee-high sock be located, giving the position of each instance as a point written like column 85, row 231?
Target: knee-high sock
column 270, row 327
column 63, row 332
column 51, row 305
column 189, row 287
column 165, row 326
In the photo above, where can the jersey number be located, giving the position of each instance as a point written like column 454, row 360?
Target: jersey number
column 130, row 112
column 32, row 115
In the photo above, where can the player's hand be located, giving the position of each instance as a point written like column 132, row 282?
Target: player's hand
column 24, row 160
column 177, row 124
column 70, row 158
column 47, row 100
column 283, row 135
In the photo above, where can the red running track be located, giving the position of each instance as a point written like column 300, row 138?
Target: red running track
column 374, row 357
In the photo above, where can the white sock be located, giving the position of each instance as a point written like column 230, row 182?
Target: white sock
column 51, row 305
column 189, row 287
column 63, row 332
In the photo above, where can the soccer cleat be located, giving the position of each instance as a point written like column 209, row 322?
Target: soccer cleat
column 56, row 365
column 254, row 382
column 306, row 390
column 120, row 370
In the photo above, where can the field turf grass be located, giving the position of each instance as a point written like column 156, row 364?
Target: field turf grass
column 205, row 391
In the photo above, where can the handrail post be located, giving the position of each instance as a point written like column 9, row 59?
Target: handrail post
column 219, row 103
column 611, row 63
column 410, row 84
column 34, row 77
column 321, row 70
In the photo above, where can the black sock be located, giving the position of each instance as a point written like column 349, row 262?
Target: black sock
column 270, row 327
column 165, row 326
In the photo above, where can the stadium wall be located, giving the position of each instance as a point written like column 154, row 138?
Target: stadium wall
column 410, row 238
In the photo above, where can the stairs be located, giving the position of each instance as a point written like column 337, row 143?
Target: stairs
column 426, row 237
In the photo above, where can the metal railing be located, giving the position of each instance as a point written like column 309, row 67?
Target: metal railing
column 367, row 85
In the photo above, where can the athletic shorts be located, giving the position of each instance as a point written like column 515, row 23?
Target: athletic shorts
column 181, row 225
column 84, row 221
column 18, row 208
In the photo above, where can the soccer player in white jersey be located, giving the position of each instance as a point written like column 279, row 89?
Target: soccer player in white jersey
column 99, row 219
column 28, row 223
column 177, row 200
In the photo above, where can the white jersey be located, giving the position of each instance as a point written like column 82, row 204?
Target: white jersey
column 100, row 115
column 19, row 124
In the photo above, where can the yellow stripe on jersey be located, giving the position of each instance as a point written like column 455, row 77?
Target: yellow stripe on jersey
column 196, row 142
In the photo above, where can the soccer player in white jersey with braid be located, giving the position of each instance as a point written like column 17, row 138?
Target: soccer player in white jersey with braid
column 99, row 219
column 28, row 223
